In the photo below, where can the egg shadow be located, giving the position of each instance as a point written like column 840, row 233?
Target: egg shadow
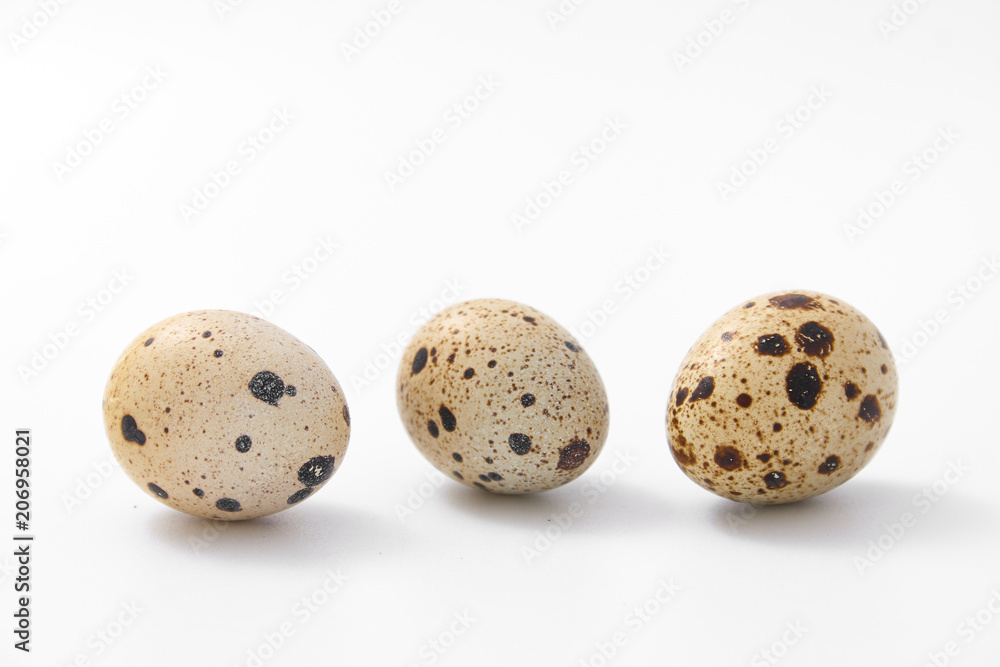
column 612, row 509
column 301, row 535
column 853, row 514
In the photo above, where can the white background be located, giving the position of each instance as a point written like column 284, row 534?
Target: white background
column 209, row 597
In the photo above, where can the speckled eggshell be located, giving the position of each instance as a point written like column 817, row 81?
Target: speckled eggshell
column 785, row 397
column 499, row 396
column 223, row 415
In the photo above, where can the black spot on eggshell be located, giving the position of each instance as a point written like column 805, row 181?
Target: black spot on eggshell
column 243, row 444
column 347, row 415
column 207, row 334
column 530, row 320
column 149, row 341
column 704, row 389
column 316, row 470
column 299, row 495
column 419, row 360
column 851, row 390
column 777, row 427
column 795, row 301
column 469, row 372
column 290, row 390
column 749, row 304
column 457, row 456
column 160, row 493
column 492, row 363
column 527, row 400
column 447, row 419
column 728, row 458
column 726, row 337
column 228, row 505
column 131, row 432
column 771, row 345
column 803, row 385
column 519, row 443
column 198, row 492
column 432, row 428
column 217, row 354
column 496, row 477
column 884, row 369
column 744, row 400
column 814, row 339
column 572, row 346
column 573, row 455
column 775, row 480
column 267, row 386
column 870, row 409
column 763, row 458
column 829, row 465
column 457, row 474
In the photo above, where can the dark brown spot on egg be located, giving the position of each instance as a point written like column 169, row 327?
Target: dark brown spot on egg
column 870, row 409
column 744, row 400
column 573, row 455
column 728, row 458
column 884, row 369
column 419, row 360
column 447, row 419
column 764, row 458
column 803, row 385
column 829, row 465
column 776, row 427
column 572, row 346
column 771, row 345
column 726, row 337
column 775, row 480
column 704, row 389
column 814, row 339
column 469, row 372
column 682, row 393
column 851, row 390
column 795, row 301
column 432, row 428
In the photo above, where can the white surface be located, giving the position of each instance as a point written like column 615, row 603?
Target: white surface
column 741, row 579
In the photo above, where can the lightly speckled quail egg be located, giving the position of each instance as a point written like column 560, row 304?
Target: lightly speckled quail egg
column 223, row 415
column 785, row 397
column 499, row 396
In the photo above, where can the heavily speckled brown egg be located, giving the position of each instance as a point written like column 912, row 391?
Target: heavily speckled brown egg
column 223, row 415
column 785, row 397
column 499, row 396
